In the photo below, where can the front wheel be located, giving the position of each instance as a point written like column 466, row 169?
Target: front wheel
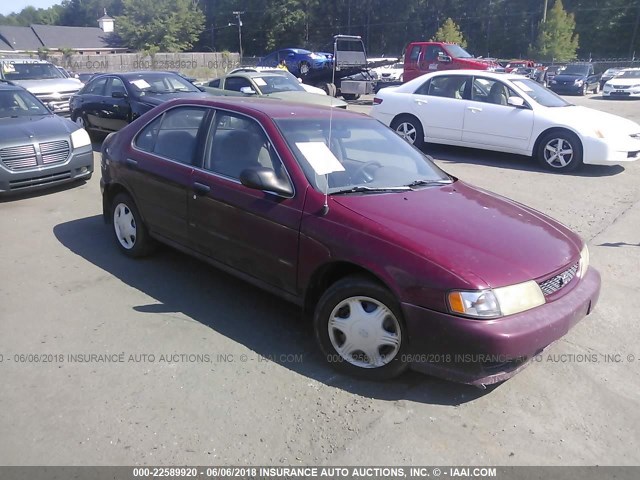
column 359, row 327
column 560, row 151
column 410, row 129
column 350, row 96
column 596, row 89
column 584, row 90
column 304, row 68
column 129, row 230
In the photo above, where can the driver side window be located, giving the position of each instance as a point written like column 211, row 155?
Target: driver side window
column 236, row 83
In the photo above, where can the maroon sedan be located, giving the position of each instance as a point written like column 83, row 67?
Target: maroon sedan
column 400, row 264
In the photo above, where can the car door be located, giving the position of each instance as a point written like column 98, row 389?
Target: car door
column 117, row 107
column 161, row 167
column 440, row 103
column 248, row 230
column 489, row 122
column 91, row 106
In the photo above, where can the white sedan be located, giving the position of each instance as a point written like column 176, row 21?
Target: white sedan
column 624, row 85
column 506, row 113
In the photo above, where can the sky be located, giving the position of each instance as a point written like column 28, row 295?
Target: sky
column 9, row 6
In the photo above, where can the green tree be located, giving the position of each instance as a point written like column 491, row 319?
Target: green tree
column 449, row 32
column 556, row 38
column 169, row 25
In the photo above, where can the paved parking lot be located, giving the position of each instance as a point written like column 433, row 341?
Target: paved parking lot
column 106, row 360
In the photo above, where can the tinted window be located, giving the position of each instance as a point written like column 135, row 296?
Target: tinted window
column 238, row 143
column 415, row 53
column 96, row 87
column 159, row 82
column 433, row 51
column 215, row 83
column 115, row 86
column 236, row 83
column 174, row 135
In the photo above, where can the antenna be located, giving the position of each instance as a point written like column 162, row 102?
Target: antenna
column 325, row 207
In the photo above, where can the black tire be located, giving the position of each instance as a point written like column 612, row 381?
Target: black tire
column 350, row 96
column 140, row 243
column 404, row 125
column 368, row 294
column 329, row 88
column 561, row 141
column 584, row 90
column 596, row 89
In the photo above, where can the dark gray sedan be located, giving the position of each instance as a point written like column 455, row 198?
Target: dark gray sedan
column 38, row 148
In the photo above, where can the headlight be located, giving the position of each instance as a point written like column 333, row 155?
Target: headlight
column 584, row 261
column 578, row 82
column 80, row 138
column 497, row 302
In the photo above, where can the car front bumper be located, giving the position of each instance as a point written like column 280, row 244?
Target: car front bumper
column 79, row 165
column 607, row 151
column 483, row 352
column 566, row 89
column 621, row 93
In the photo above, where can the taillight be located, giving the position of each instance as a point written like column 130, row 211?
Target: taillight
column 377, row 101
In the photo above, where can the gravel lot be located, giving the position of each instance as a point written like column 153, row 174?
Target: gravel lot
column 236, row 378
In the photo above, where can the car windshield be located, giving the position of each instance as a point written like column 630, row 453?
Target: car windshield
column 576, row 70
column 160, row 83
column 555, row 69
column 364, row 155
column 277, row 83
column 540, row 94
column 30, row 71
column 18, row 103
column 629, row 74
column 457, row 51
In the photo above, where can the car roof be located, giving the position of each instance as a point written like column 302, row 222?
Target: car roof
column 484, row 73
column 273, row 108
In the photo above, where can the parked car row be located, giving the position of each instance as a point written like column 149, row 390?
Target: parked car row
column 337, row 213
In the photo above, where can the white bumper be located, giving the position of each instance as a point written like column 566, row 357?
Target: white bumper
column 605, row 151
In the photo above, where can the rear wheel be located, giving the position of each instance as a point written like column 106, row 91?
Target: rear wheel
column 560, row 151
column 350, row 96
column 304, row 68
column 329, row 88
column 410, row 129
column 129, row 230
column 596, row 89
column 359, row 327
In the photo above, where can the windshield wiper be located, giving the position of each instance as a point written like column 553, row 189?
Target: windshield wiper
column 365, row 189
column 422, row 183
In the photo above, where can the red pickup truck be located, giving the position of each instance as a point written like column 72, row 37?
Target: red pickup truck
column 425, row 57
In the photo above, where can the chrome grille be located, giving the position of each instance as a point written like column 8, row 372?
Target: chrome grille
column 54, row 152
column 621, row 87
column 16, row 158
column 561, row 280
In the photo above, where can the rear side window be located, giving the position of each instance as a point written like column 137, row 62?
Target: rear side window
column 174, row 135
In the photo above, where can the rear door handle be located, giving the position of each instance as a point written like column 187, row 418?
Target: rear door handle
column 420, row 101
column 201, row 188
column 130, row 162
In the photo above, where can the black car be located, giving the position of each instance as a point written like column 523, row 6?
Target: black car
column 577, row 79
column 109, row 102
column 38, row 148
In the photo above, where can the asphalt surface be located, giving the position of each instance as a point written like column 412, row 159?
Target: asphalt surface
column 194, row 367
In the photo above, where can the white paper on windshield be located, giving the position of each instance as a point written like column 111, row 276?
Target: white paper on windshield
column 321, row 159
column 8, row 68
column 260, row 81
column 141, row 83
column 523, row 86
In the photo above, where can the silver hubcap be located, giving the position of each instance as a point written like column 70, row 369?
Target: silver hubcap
column 125, row 226
column 558, row 153
column 407, row 131
column 364, row 332
column 304, row 69
column 80, row 122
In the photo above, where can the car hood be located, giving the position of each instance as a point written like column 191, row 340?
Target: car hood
column 586, row 120
column 23, row 130
column 565, row 77
column 158, row 98
column 50, row 85
column 306, row 97
column 472, row 233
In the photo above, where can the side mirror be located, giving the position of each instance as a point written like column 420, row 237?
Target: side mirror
column 444, row 58
column 261, row 178
column 118, row 94
column 515, row 102
column 248, row 91
column 51, row 106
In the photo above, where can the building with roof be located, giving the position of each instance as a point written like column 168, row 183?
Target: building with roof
column 81, row 40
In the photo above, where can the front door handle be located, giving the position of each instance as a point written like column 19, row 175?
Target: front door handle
column 474, row 109
column 201, row 188
column 131, row 163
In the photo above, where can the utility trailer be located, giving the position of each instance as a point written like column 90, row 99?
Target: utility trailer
column 349, row 75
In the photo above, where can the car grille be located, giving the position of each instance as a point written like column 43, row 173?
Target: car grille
column 561, row 280
column 16, row 158
column 25, row 156
column 622, row 87
column 59, row 101
column 40, row 180
column 54, row 152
